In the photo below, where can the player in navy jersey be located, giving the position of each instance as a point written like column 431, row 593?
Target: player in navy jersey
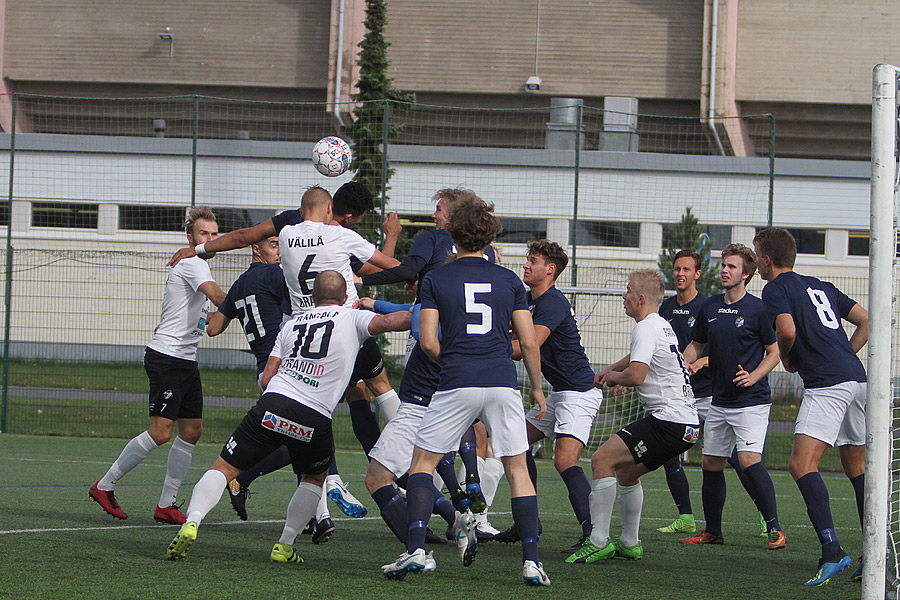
column 742, row 352
column 474, row 302
column 574, row 401
column 681, row 311
column 176, row 393
column 656, row 368
column 303, row 382
column 807, row 316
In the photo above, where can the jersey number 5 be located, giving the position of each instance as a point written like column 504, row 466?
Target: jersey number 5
column 478, row 308
column 823, row 308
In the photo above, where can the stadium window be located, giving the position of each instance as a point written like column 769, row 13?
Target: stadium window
column 719, row 235
column 62, row 214
column 809, row 241
column 521, row 230
column 606, row 233
column 858, row 244
column 151, row 218
column 230, row 219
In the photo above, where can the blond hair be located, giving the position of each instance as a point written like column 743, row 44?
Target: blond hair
column 197, row 213
column 650, row 283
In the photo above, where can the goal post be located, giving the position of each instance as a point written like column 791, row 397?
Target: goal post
column 883, row 240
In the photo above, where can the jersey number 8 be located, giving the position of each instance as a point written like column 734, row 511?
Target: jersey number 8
column 823, row 308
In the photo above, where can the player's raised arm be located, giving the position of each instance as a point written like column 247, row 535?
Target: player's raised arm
column 239, row 238
column 395, row 321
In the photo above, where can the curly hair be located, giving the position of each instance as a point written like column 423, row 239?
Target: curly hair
column 453, row 196
column 352, row 198
column 472, row 224
column 552, row 253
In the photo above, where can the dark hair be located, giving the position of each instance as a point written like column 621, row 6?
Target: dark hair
column 747, row 256
column 688, row 254
column 552, row 253
column 352, row 198
column 779, row 245
column 198, row 212
column 472, row 226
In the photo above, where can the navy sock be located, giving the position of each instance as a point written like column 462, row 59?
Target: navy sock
column 332, row 468
column 446, row 472
column 419, row 501
column 579, row 491
column 365, row 424
column 403, row 481
column 765, row 494
column 713, row 500
column 532, row 469
column 393, row 511
column 469, row 456
column 525, row 516
column 678, row 485
column 443, row 507
column 276, row 460
column 815, row 494
column 742, row 476
column 859, row 485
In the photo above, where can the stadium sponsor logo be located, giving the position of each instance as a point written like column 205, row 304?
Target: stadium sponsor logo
column 691, row 434
column 680, row 311
column 728, row 311
column 305, row 242
column 287, row 427
column 739, row 322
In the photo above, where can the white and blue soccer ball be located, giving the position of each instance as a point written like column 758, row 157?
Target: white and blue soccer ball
column 331, row 156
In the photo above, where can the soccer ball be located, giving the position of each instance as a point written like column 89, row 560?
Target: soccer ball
column 331, row 156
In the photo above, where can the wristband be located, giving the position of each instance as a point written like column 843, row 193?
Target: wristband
column 202, row 252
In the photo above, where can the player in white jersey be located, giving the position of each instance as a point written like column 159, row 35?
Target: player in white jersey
column 176, row 394
column 656, row 368
column 303, row 382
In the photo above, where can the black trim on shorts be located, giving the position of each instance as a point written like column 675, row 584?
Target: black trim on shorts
column 652, row 441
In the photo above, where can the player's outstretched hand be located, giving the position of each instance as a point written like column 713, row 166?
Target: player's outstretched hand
column 743, row 378
column 365, row 304
column 537, row 397
column 181, row 254
column 391, row 225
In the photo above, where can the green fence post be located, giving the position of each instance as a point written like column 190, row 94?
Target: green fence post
column 579, row 112
column 195, row 119
column 771, row 168
column 4, row 400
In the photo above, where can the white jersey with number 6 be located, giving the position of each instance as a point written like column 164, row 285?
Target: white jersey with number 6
column 309, row 248
column 317, row 351
column 666, row 392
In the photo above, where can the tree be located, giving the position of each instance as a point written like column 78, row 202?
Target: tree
column 376, row 95
column 688, row 234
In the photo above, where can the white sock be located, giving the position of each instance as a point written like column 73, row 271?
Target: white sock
column 490, row 478
column 601, row 501
column 388, row 403
column 132, row 455
column 206, row 495
column 177, row 466
column 300, row 509
column 631, row 500
column 321, row 507
column 438, row 481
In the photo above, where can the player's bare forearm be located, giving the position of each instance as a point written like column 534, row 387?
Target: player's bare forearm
column 212, row 291
column 429, row 323
column 216, row 324
column 859, row 317
column 693, row 350
column 395, row 321
column 239, row 238
column 516, row 350
column 632, row 376
column 269, row 372
column 392, row 229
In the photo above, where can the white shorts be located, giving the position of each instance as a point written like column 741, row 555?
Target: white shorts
column 702, row 405
column 394, row 447
column 451, row 412
column 726, row 427
column 568, row 413
column 835, row 415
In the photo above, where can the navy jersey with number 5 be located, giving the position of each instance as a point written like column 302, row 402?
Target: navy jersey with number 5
column 475, row 300
column 563, row 361
column 822, row 354
column 259, row 298
column 735, row 335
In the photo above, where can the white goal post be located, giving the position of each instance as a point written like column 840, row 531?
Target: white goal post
column 883, row 240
